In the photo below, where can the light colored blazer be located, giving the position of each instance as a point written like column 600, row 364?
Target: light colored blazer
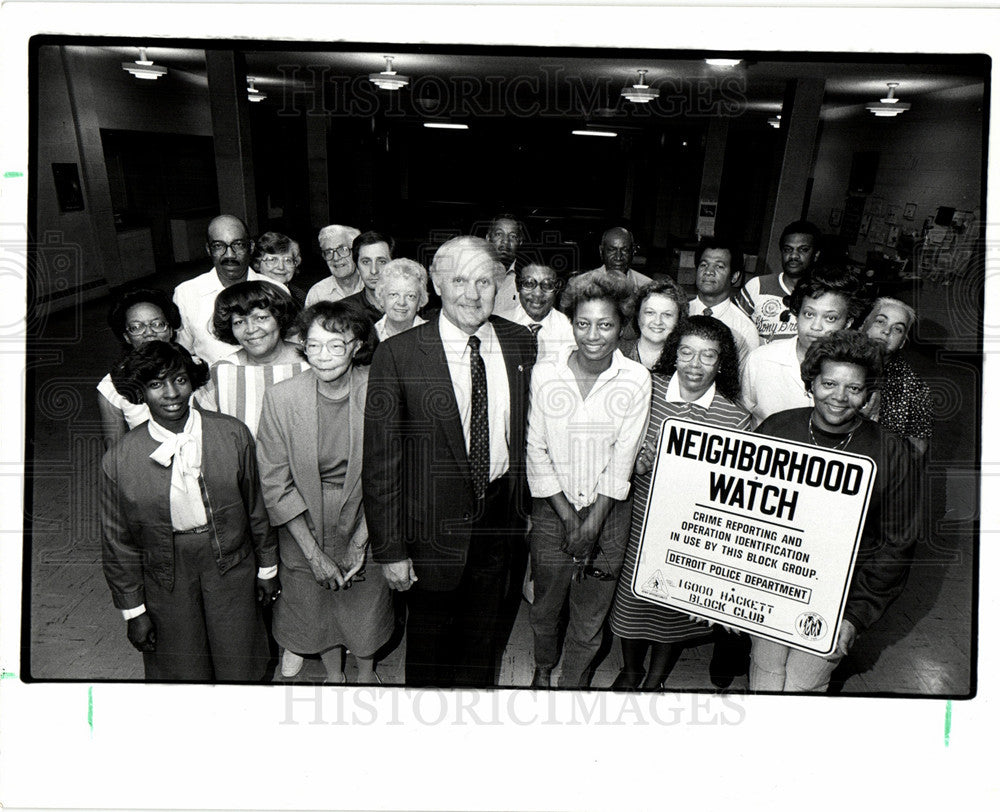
column 289, row 465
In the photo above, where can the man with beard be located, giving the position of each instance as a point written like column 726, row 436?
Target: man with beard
column 229, row 245
column 763, row 297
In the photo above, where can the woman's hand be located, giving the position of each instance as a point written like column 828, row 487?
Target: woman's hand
column 268, row 590
column 352, row 563
column 325, row 571
column 845, row 639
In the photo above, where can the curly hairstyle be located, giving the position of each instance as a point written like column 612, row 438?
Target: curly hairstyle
column 157, row 298
column 339, row 317
column 592, row 285
column 825, row 279
column 665, row 287
column 844, row 347
column 153, row 360
column 735, row 256
column 242, row 298
column 403, row 268
column 727, row 379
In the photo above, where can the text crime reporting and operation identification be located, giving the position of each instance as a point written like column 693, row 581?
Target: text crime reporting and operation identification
column 754, row 532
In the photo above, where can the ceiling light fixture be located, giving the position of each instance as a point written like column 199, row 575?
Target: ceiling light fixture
column 389, row 79
column 641, row 93
column 440, row 125
column 601, row 133
column 723, row 63
column 888, row 106
column 144, row 68
column 253, row 94
column 775, row 121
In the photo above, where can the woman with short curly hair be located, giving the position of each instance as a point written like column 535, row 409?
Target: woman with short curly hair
column 840, row 371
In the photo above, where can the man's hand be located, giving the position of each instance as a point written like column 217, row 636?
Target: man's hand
column 142, row 632
column 399, row 574
column 325, row 571
column 268, row 590
column 581, row 539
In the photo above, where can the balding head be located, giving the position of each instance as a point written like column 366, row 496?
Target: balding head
column 617, row 249
column 229, row 245
column 465, row 272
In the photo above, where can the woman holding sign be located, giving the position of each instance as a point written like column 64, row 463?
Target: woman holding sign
column 839, row 371
column 696, row 379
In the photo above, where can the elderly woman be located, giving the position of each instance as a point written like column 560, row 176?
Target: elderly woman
column 660, row 306
column 903, row 404
column 587, row 416
column 840, row 371
column 823, row 301
column 138, row 317
column 256, row 317
column 401, row 291
column 697, row 379
column 309, row 444
column 186, row 540
column 278, row 257
column 335, row 247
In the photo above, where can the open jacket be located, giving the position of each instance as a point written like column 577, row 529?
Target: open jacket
column 138, row 537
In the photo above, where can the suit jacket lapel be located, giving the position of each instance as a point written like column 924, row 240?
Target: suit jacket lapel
column 437, row 377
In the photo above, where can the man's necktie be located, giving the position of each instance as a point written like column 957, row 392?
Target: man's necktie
column 707, row 311
column 534, row 327
column 479, row 422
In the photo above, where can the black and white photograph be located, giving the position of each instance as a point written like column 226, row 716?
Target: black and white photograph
column 415, row 384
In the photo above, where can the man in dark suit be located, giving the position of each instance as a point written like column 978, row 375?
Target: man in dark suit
column 444, row 486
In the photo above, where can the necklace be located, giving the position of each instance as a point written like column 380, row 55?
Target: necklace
column 838, row 447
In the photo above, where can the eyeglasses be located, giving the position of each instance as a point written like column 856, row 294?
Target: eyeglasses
column 333, row 346
column 705, row 356
column 339, row 252
column 220, row 247
column 137, row 328
column 271, row 262
column 547, row 285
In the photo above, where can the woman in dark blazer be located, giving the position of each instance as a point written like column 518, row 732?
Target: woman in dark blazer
column 309, row 445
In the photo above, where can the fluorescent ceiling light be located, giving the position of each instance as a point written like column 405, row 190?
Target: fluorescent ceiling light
column 144, row 68
column 723, row 63
column 440, row 125
column 389, row 79
column 601, row 133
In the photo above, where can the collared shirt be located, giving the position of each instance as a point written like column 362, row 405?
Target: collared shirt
column 380, row 327
column 762, row 299
column 507, row 300
column 327, row 290
column 772, row 381
column 637, row 279
column 673, row 394
column 555, row 333
column 457, row 353
column 744, row 333
column 585, row 447
column 196, row 301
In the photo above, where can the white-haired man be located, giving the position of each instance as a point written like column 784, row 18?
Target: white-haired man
column 444, row 478
column 344, row 280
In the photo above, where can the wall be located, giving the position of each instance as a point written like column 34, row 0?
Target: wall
column 80, row 91
column 929, row 156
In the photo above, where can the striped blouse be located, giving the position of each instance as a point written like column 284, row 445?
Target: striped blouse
column 238, row 390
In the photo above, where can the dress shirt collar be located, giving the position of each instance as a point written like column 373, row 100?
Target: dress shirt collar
column 717, row 309
column 618, row 361
column 674, row 394
column 456, row 340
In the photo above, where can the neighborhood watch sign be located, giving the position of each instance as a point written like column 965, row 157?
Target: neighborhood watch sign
column 753, row 532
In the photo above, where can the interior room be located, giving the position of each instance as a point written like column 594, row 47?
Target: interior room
column 884, row 153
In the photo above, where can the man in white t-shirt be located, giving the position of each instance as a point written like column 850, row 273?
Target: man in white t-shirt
column 719, row 266
column 762, row 297
column 506, row 234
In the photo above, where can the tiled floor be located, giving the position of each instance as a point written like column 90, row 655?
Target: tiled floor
column 922, row 646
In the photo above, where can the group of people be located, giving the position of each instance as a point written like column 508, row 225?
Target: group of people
column 314, row 452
